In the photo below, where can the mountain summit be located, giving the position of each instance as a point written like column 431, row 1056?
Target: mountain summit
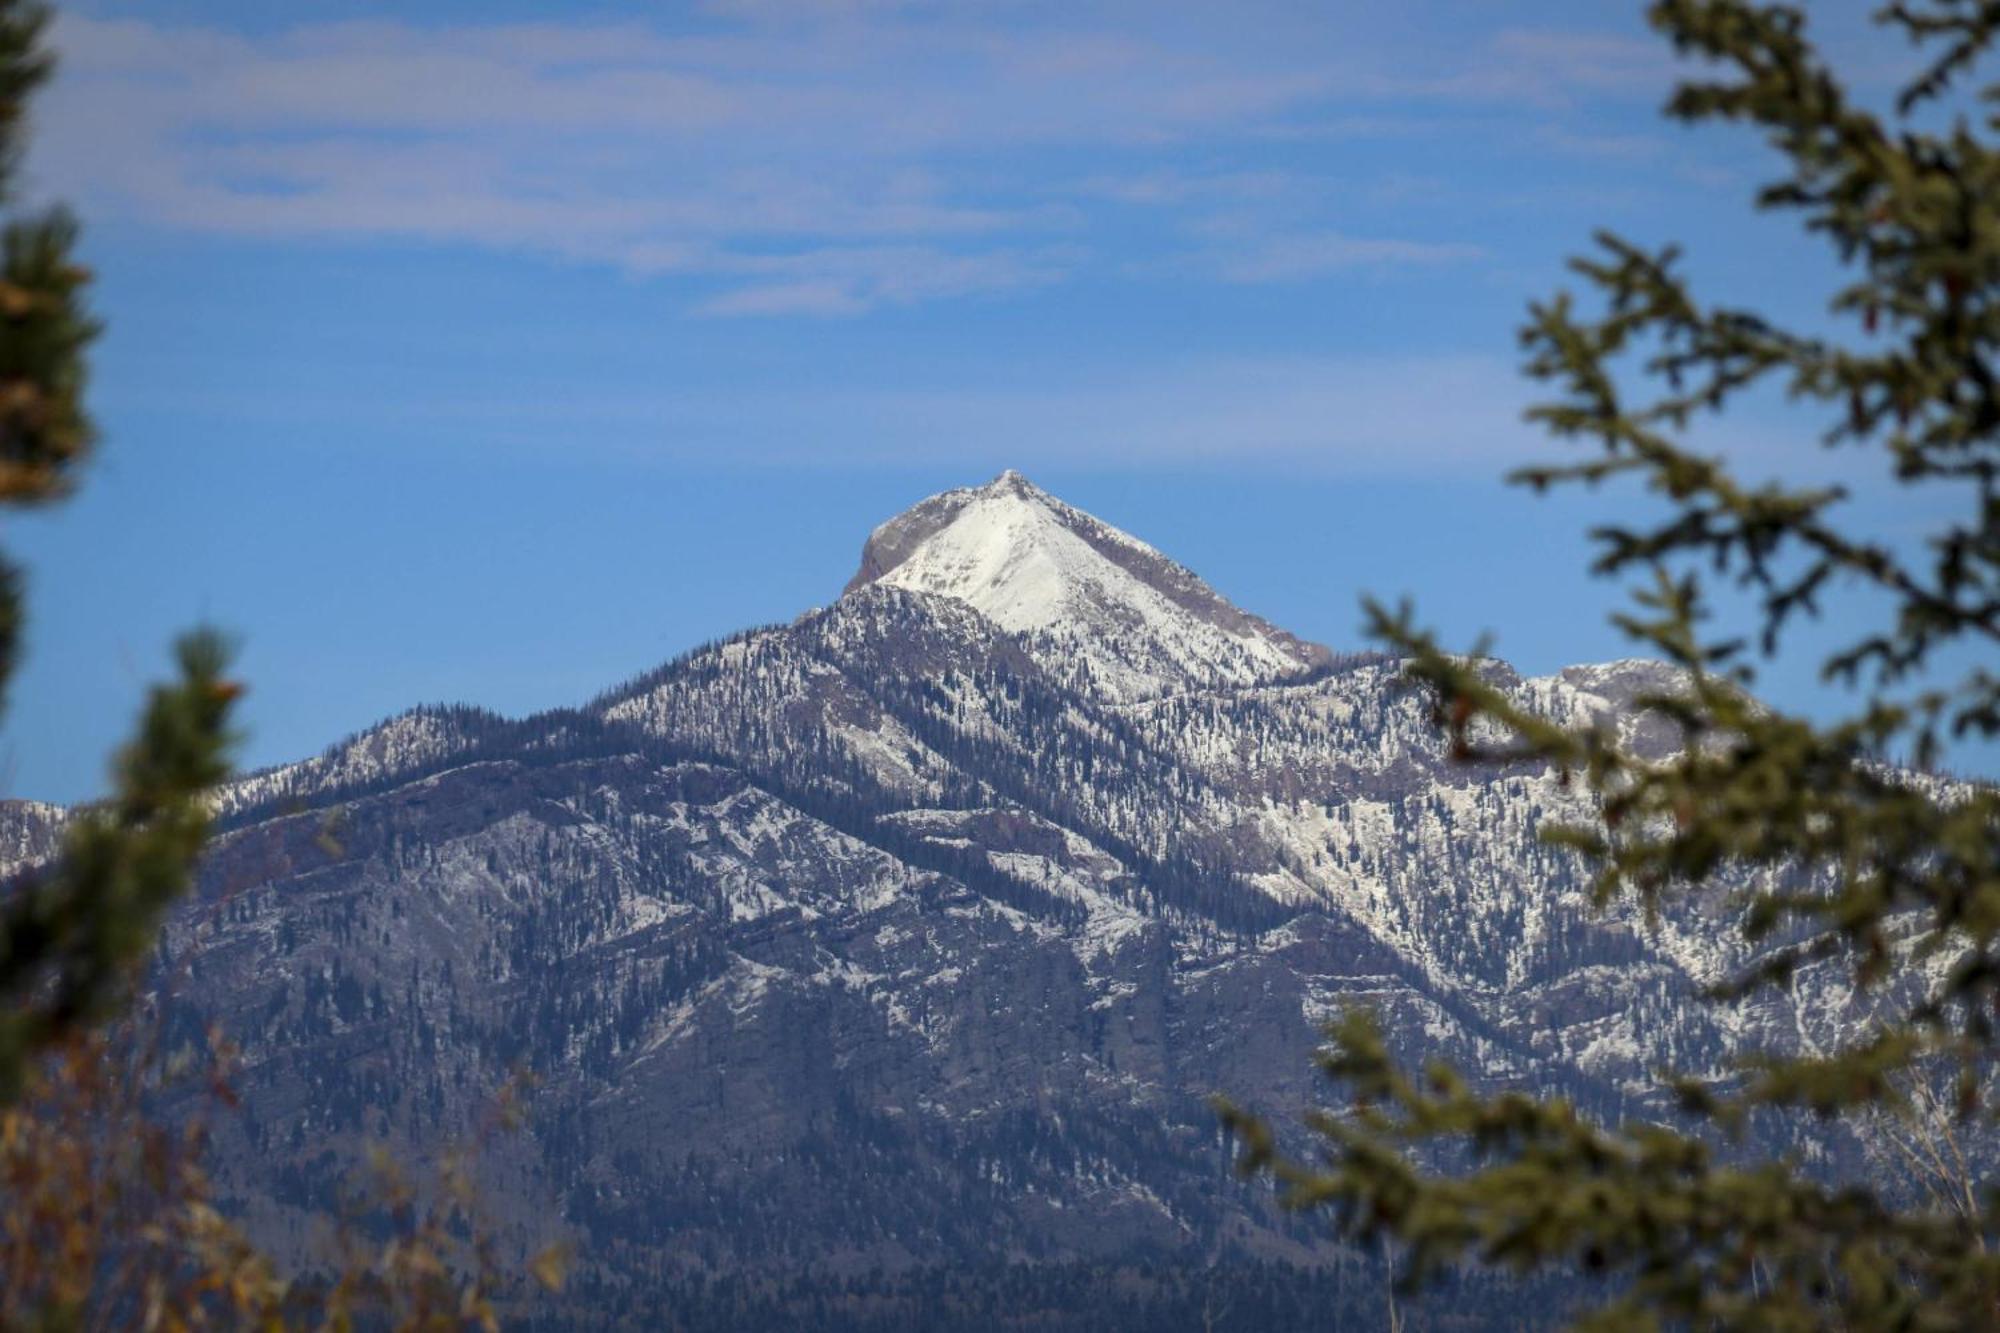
column 1097, row 605
column 897, row 939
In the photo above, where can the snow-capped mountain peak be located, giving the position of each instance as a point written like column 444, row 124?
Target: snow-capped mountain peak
column 970, row 882
column 1102, row 607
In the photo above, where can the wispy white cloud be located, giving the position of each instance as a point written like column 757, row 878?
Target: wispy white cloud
column 1381, row 415
column 1577, row 62
column 849, row 280
column 1410, row 415
column 1291, row 257
column 1172, row 185
column 823, row 156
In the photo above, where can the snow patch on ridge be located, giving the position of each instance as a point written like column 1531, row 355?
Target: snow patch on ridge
column 1098, row 606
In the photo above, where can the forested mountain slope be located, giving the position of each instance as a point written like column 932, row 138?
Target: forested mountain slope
column 916, row 932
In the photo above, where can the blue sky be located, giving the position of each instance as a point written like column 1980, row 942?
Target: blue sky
column 496, row 352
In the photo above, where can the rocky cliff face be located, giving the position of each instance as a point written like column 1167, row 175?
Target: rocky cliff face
column 916, row 932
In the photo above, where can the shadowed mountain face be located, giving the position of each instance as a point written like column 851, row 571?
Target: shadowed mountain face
column 916, row 933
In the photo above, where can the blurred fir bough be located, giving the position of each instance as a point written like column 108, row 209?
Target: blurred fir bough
column 107, row 1216
column 1870, row 867
column 71, row 933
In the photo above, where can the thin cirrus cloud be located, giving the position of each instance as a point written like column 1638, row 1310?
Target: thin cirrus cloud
column 1405, row 415
column 1292, row 257
column 1437, row 416
column 783, row 158
column 1431, row 414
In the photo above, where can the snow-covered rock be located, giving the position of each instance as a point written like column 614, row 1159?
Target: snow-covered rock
column 1112, row 614
column 918, row 930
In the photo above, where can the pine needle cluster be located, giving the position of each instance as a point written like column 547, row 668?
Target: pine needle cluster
column 1864, row 859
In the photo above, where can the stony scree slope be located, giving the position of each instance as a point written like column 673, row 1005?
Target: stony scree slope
column 919, row 930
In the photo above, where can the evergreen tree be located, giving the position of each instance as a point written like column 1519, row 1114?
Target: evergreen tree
column 1875, row 868
column 70, row 934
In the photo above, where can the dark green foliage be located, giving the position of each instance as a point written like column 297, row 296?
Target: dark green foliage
column 69, row 934
column 44, row 329
column 1871, row 868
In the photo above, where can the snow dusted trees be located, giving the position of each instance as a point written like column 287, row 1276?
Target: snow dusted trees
column 1894, row 878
